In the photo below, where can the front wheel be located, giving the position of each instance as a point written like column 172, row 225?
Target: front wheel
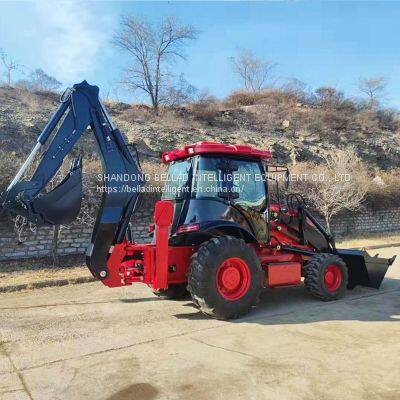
column 326, row 276
column 225, row 277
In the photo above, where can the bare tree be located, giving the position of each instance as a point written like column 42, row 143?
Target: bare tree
column 254, row 72
column 329, row 96
column 374, row 88
column 180, row 92
column 340, row 183
column 39, row 80
column 10, row 65
column 296, row 87
column 153, row 49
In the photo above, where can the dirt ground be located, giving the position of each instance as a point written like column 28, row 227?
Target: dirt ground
column 91, row 342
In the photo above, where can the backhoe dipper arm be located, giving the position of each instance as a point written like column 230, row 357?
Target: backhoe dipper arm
column 82, row 108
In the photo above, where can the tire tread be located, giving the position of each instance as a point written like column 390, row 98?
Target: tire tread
column 312, row 270
column 199, row 283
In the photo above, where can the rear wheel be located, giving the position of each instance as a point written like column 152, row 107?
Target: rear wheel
column 326, row 276
column 225, row 277
column 174, row 292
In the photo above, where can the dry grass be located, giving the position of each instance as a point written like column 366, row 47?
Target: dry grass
column 240, row 98
column 205, row 111
column 8, row 165
column 384, row 190
column 28, row 271
column 45, row 274
column 154, row 173
column 35, row 264
column 366, row 240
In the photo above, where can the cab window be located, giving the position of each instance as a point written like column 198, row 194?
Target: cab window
column 177, row 180
column 248, row 182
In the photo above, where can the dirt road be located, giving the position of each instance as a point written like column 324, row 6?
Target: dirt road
column 91, row 342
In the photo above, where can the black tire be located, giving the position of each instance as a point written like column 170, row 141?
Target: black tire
column 210, row 263
column 174, row 292
column 315, row 272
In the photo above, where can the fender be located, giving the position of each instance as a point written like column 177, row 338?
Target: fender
column 218, row 227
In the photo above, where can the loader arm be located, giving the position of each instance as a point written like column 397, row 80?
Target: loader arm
column 79, row 109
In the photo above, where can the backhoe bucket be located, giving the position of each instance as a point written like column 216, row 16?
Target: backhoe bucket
column 62, row 204
column 363, row 269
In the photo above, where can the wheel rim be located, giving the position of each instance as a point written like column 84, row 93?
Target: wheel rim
column 233, row 278
column 332, row 277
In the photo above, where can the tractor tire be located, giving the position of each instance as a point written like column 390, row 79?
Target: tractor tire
column 225, row 278
column 174, row 292
column 326, row 276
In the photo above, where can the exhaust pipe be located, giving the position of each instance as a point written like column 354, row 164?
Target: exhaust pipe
column 363, row 269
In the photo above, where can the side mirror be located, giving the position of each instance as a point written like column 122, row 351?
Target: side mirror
column 66, row 95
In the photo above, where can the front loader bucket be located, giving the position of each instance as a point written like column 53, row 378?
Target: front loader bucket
column 363, row 269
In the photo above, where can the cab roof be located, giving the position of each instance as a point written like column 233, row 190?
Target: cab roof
column 242, row 150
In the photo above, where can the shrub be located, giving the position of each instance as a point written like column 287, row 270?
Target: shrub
column 329, row 97
column 205, row 111
column 366, row 121
column 339, row 183
column 389, row 119
column 137, row 112
column 9, row 163
column 266, row 97
column 384, row 189
column 243, row 98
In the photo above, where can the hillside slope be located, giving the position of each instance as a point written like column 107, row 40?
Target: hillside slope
column 292, row 129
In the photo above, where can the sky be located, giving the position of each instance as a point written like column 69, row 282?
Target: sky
column 320, row 43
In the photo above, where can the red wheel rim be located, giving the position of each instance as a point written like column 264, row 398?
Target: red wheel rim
column 332, row 277
column 233, row 278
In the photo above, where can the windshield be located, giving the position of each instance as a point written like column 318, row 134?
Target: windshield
column 176, row 184
column 242, row 177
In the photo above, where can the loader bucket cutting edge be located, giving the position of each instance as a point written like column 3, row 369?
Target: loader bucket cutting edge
column 363, row 269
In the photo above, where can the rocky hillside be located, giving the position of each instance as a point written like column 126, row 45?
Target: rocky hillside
column 295, row 128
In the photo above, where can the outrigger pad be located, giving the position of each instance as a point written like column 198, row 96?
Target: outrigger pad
column 62, row 204
column 363, row 269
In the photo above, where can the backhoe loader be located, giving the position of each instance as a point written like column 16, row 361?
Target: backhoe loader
column 217, row 237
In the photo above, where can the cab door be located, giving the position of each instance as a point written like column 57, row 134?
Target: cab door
column 249, row 183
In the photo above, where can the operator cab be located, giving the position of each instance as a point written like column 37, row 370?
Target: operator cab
column 222, row 190
column 217, row 189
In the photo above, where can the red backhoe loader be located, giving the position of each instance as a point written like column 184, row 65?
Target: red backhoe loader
column 216, row 233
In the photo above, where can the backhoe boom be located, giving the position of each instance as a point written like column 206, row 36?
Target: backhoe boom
column 79, row 109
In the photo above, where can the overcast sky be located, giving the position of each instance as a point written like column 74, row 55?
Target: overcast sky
column 320, row 43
